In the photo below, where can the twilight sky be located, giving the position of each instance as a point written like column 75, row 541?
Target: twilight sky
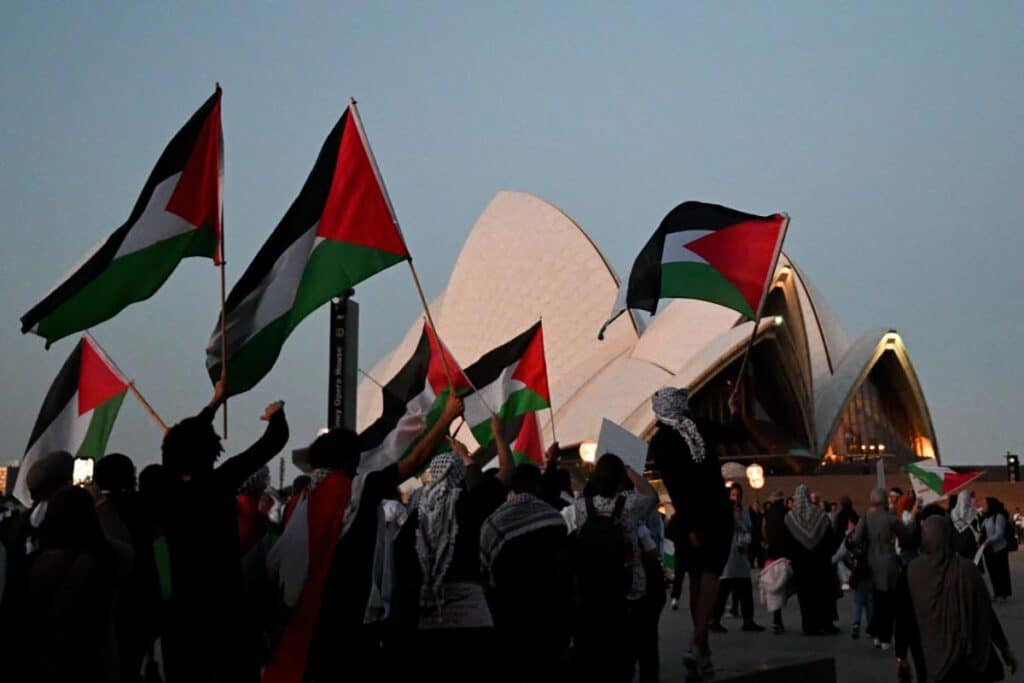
column 890, row 132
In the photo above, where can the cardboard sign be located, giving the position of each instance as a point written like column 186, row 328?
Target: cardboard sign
column 618, row 441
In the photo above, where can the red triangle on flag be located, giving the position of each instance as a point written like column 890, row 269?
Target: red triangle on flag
column 197, row 196
column 743, row 254
column 528, row 442
column 954, row 480
column 356, row 210
column 533, row 369
column 98, row 380
column 436, row 375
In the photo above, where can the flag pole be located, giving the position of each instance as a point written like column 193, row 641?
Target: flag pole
column 223, row 291
column 760, row 306
column 551, row 405
column 147, row 406
column 394, row 217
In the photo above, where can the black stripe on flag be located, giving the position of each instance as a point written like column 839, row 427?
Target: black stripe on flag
column 645, row 277
column 61, row 392
column 494, row 362
column 409, row 383
column 302, row 215
column 172, row 161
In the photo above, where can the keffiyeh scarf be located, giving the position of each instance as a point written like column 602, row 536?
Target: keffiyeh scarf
column 806, row 521
column 672, row 406
column 963, row 515
column 438, row 524
column 521, row 514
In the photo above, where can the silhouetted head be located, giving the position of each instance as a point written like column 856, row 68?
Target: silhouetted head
column 337, row 449
column 115, row 473
column 609, row 476
column 564, row 480
column 71, row 522
column 526, row 479
column 191, row 447
column 49, row 474
column 736, row 493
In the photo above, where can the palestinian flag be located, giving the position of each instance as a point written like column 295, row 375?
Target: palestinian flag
column 528, row 446
column 177, row 215
column 339, row 231
column 708, row 252
column 933, row 482
column 300, row 561
column 413, row 401
column 513, row 381
column 78, row 412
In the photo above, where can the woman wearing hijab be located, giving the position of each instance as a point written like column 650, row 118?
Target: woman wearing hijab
column 684, row 449
column 945, row 617
column 997, row 552
column 877, row 530
column 811, row 556
column 967, row 531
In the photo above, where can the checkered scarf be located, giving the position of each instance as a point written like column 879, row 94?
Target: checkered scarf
column 672, row 406
column 438, row 524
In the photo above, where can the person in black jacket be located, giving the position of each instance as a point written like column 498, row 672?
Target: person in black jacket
column 683, row 449
column 206, row 638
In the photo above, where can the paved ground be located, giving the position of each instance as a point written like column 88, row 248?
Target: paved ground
column 856, row 661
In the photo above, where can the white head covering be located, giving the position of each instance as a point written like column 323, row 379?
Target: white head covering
column 964, row 514
column 672, row 406
column 438, row 525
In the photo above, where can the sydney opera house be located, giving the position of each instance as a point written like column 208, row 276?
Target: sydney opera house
column 812, row 397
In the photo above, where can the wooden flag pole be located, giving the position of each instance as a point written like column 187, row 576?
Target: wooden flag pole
column 223, row 306
column 394, row 217
column 760, row 306
column 149, row 408
column 551, row 407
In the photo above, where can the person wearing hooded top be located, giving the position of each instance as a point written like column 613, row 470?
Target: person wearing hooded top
column 138, row 604
column 944, row 616
column 447, row 516
column 735, row 578
column 810, row 552
column 20, row 536
column 206, row 637
column 604, row 648
column 684, row 448
column 967, row 529
column 524, row 535
column 344, row 646
column 877, row 530
column 85, row 555
column 997, row 555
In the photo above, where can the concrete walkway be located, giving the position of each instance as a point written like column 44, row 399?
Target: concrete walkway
column 856, row 661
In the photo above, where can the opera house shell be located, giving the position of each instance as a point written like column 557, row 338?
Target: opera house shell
column 811, row 396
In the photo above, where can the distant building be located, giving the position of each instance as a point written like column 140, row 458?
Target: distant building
column 812, row 397
column 8, row 474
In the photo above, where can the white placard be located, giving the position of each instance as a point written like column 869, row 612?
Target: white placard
column 618, row 441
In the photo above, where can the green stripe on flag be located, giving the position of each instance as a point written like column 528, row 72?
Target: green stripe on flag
column 696, row 280
column 518, row 403
column 932, row 480
column 101, row 422
column 131, row 278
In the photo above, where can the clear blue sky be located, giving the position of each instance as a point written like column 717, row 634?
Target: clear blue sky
column 891, row 132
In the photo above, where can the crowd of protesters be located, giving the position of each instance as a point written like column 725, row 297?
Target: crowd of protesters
column 203, row 572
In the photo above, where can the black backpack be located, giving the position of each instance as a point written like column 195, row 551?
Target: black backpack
column 602, row 555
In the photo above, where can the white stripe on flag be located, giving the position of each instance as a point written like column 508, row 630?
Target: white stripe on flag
column 156, row 223
column 65, row 433
column 674, row 250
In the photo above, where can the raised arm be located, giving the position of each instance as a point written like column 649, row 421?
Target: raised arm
column 424, row 449
column 236, row 470
column 506, row 465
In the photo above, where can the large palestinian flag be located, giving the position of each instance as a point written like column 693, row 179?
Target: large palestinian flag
column 339, row 231
column 708, row 252
column 300, row 561
column 933, row 482
column 177, row 215
column 413, row 401
column 78, row 412
column 512, row 380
